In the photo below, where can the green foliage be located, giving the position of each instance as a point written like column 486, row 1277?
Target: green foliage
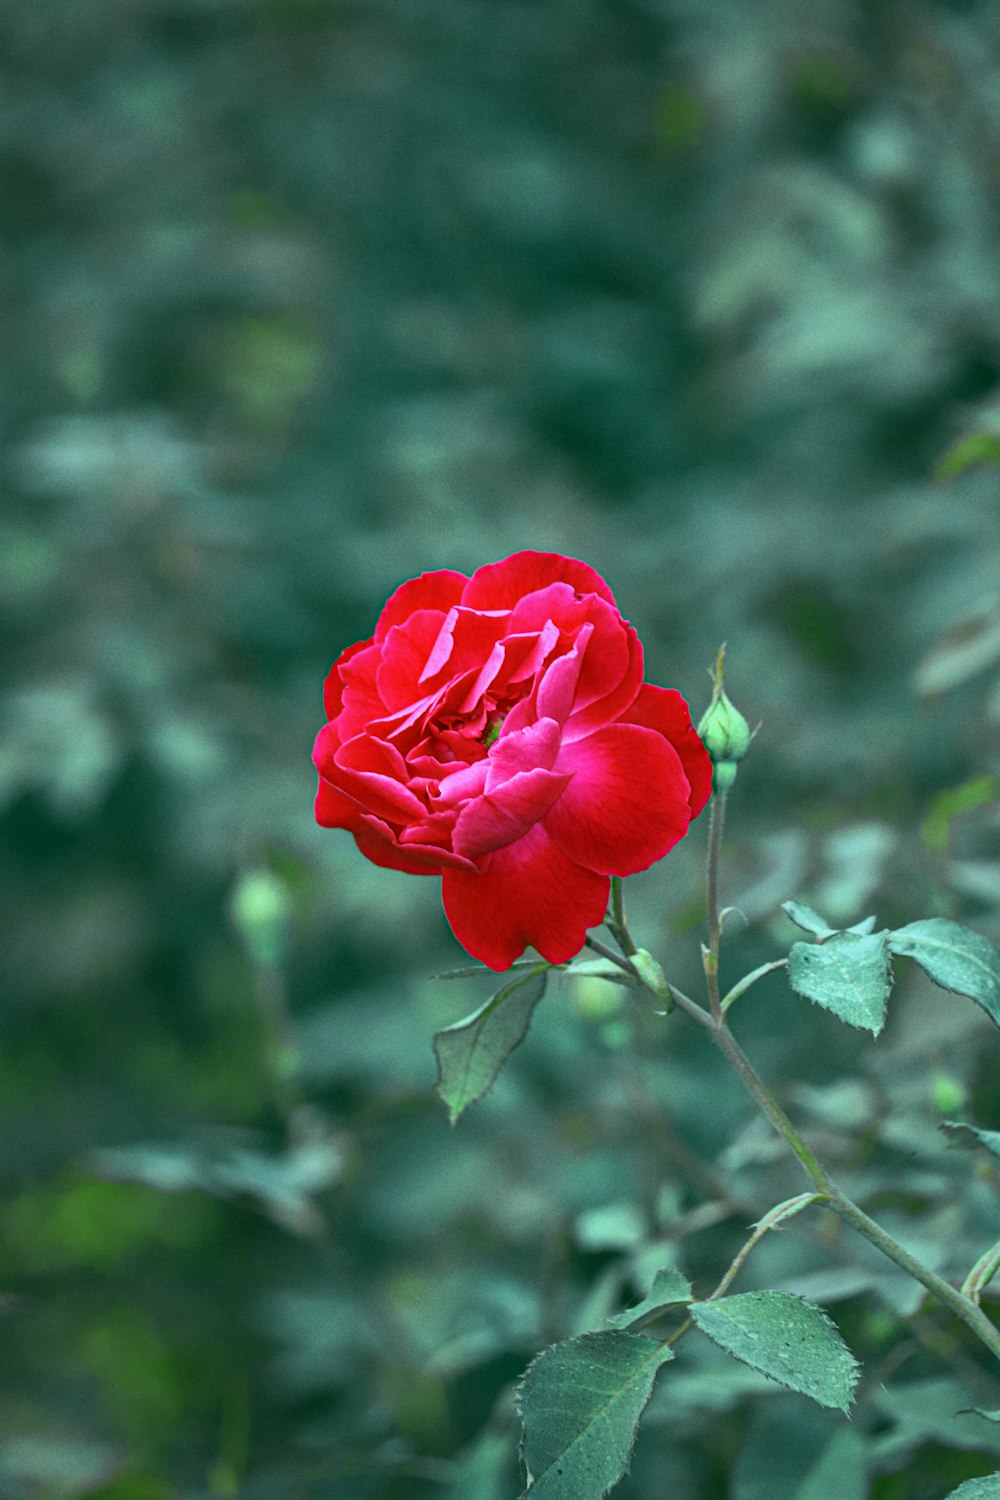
column 785, row 1338
column 967, row 453
column 301, row 298
column 471, row 1053
column 669, row 1288
column 847, row 974
column 841, row 1470
column 580, row 1403
column 953, row 803
column 987, row 1488
column 971, row 1135
column 955, row 958
column 810, row 921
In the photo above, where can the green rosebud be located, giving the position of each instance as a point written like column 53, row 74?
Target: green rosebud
column 261, row 911
column 723, row 730
column 723, row 775
column 652, row 975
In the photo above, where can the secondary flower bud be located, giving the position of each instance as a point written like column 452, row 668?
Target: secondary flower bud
column 723, row 730
column 261, row 909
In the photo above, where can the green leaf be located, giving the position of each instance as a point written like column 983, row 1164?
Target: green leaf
column 810, row 921
column 651, row 973
column 777, row 1215
column 971, row 1135
column 471, row 1053
column 597, row 968
column 849, row 975
column 911, row 1414
column 987, row 1488
column 785, row 1338
column 952, row 803
column 670, row 1286
column 841, row 1470
column 972, row 647
column 982, row 1273
column 955, row 957
column 580, row 1403
column 979, row 1411
column 972, row 450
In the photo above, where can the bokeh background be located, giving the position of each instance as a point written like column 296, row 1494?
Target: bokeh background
column 303, row 297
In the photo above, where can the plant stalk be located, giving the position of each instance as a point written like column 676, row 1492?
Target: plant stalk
column 619, row 922
column 717, row 819
column 963, row 1307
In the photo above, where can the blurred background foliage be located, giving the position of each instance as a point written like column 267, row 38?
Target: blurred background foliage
column 300, row 298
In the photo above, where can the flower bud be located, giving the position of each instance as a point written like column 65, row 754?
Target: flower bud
column 723, row 730
column 652, row 975
column 260, row 908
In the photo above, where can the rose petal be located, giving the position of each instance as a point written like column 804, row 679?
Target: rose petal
column 535, row 654
column 627, row 803
column 500, row 585
column 464, row 782
column 405, row 650
column 438, row 591
column 485, row 678
column 610, row 677
column 333, row 687
column 378, row 842
column 499, row 817
column 522, row 750
column 666, row 711
column 369, row 772
column 441, row 649
column 361, row 700
column 530, row 892
column 610, row 673
column 558, row 684
column 474, row 636
column 334, row 811
column 383, row 852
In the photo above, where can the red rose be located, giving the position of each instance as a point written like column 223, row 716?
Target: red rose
column 496, row 731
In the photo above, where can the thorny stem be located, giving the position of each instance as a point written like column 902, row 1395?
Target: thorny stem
column 279, row 1044
column 770, row 1221
column 611, row 956
column 766, row 1224
column 618, row 922
column 840, row 1202
column 717, row 818
column 963, row 1307
column 742, row 985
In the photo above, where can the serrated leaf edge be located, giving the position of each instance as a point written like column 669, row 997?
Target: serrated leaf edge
column 904, row 952
column 775, row 1379
column 828, row 946
column 662, row 1355
column 493, row 1003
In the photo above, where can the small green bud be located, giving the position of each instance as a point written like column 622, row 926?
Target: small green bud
column 947, row 1092
column 723, row 775
column 652, row 976
column 724, row 732
column 261, row 910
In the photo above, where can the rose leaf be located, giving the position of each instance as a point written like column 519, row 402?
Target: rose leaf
column 580, row 1404
column 849, row 975
column 471, row 1052
column 785, row 1338
column 955, row 958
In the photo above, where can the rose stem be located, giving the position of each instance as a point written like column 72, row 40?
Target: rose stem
column 970, row 1314
column 716, row 823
